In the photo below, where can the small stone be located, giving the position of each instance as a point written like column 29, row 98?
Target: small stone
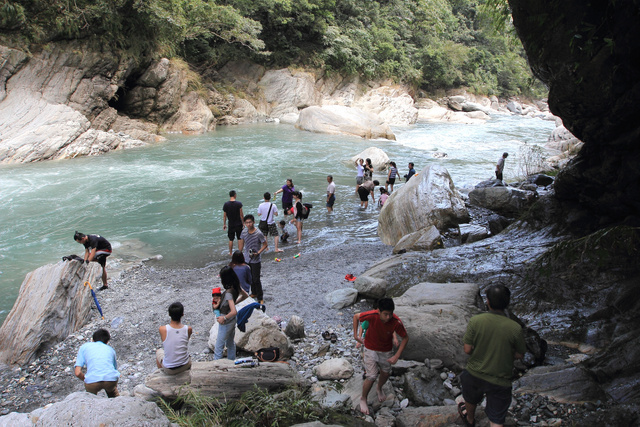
column 443, row 376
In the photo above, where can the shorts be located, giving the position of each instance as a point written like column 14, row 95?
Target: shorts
column 376, row 361
column 331, row 201
column 359, row 180
column 363, row 193
column 171, row 371
column 234, row 232
column 391, row 181
column 101, row 258
column 272, row 230
column 110, row 387
column 498, row 397
column 286, row 206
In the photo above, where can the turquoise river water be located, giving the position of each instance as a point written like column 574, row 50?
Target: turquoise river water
column 167, row 198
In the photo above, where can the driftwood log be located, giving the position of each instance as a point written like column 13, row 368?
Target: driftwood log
column 223, row 379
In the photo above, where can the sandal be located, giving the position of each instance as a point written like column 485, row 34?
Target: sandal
column 333, row 337
column 462, row 410
column 326, row 335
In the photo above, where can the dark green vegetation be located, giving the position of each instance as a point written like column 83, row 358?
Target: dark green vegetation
column 256, row 407
column 431, row 44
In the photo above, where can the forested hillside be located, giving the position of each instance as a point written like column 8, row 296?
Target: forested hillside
column 431, row 44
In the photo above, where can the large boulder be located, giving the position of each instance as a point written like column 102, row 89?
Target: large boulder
column 436, row 316
column 504, row 200
column 86, row 409
column 53, row 302
column 341, row 298
column 430, row 198
column 379, row 158
column 223, row 378
column 393, row 104
column 193, row 116
column 261, row 331
column 336, row 119
column 288, row 91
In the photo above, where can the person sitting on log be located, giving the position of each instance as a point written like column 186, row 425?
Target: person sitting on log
column 173, row 357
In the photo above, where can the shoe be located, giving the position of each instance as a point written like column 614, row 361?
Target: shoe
column 103, row 288
column 326, row 335
column 263, row 308
column 333, row 337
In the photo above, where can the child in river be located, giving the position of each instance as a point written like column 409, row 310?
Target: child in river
column 384, row 195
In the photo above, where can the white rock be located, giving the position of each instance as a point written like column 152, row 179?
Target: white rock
column 334, row 369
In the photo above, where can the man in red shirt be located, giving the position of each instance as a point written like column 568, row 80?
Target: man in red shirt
column 378, row 346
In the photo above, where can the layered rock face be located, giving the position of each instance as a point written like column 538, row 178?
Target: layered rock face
column 53, row 303
column 588, row 55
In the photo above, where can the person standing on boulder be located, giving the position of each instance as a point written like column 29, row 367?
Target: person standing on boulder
column 493, row 341
column 96, row 248
column 500, row 166
column 378, row 346
column 233, row 212
column 100, row 361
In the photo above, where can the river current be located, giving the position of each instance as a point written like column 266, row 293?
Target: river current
column 167, row 198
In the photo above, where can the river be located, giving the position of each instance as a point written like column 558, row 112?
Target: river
column 167, row 198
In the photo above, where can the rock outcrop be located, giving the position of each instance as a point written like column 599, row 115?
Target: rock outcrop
column 504, row 200
column 53, row 303
column 86, row 409
column 393, row 105
column 337, row 119
column 379, row 158
column 430, row 198
column 436, row 316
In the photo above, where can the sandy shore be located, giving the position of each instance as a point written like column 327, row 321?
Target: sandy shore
column 135, row 306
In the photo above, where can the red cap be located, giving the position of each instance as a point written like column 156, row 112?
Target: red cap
column 216, row 291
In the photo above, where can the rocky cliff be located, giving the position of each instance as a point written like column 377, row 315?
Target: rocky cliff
column 587, row 53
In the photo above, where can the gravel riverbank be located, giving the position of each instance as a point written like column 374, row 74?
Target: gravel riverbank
column 136, row 302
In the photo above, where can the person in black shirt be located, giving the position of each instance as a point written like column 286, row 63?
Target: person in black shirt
column 96, row 248
column 232, row 211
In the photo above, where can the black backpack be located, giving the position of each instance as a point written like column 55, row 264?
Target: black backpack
column 306, row 207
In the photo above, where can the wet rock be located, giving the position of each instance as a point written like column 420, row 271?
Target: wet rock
column 426, row 239
column 563, row 383
column 470, row 233
column 503, row 200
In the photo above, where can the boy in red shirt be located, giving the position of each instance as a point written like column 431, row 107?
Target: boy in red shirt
column 378, row 346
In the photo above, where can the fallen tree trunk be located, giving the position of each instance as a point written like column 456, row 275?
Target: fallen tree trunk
column 223, row 379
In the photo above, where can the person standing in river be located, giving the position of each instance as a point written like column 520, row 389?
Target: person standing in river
column 500, row 166
column 492, row 341
column 287, row 196
column 391, row 177
column 368, row 170
column 412, row 172
column 359, row 173
column 96, row 248
column 331, row 193
column 366, row 189
column 233, row 212
column 267, row 212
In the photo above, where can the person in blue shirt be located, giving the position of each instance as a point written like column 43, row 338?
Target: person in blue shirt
column 412, row 172
column 100, row 361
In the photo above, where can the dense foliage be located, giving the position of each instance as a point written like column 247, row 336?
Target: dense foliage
column 432, row 44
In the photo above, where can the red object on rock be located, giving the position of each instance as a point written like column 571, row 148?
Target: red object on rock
column 350, row 277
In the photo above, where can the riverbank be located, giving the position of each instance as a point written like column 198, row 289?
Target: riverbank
column 136, row 302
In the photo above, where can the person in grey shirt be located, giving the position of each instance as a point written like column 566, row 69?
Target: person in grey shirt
column 254, row 244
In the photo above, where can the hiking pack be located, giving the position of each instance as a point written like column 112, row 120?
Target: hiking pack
column 306, row 207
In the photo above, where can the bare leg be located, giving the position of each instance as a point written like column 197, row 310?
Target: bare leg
column 231, row 247
column 104, row 277
column 240, row 244
column 382, row 379
column 366, row 388
column 277, row 240
column 299, row 228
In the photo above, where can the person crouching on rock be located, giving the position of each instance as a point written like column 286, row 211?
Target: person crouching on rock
column 233, row 294
column 96, row 248
column 173, row 357
column 378, row 346
column 100, row 361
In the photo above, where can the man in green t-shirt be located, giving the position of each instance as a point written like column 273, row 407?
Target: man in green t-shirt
column 493, row 341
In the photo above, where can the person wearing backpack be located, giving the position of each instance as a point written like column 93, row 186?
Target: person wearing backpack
column 267, row 212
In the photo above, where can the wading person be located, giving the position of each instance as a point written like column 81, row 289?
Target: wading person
column 254, row 244
column 493, row 341
column 331, row 193
column 96, row 248
column 287, row 196
column 173, row 357
column 378, row 346
column 366, row 189
column 500, row 166
column 359, row 173
column 233, row 212
column 412, row 172
column 100, row 361
column 391, row 177
column 267, row 212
